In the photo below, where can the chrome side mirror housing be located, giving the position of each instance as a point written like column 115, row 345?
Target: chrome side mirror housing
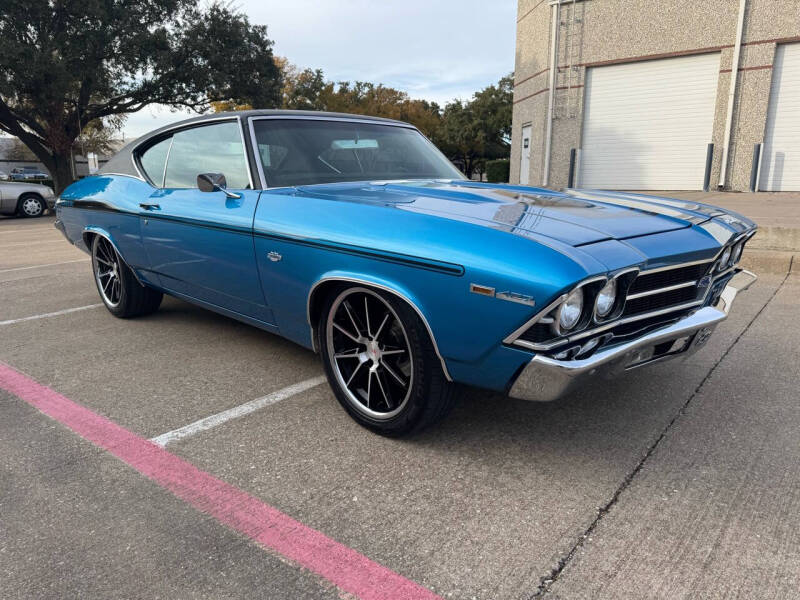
column 214, row 182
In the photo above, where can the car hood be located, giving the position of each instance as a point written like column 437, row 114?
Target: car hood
column 574, row 217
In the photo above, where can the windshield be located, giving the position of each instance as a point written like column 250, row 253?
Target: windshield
column 308, row 151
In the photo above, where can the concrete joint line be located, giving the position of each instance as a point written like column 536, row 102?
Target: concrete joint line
column 546, row 582
column 235, row 412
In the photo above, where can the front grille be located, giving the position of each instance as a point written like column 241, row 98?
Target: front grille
column 647, row 282
column 537, row 333
column 660, row 294
column 630, row 331
column 659, row 301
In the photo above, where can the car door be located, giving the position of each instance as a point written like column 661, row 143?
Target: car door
column 200, row 244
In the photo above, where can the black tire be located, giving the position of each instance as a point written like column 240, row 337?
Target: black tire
column 31, row 206
column 126, row 297
column 428, row 396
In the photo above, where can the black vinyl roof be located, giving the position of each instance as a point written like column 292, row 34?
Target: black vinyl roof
column 122, row 162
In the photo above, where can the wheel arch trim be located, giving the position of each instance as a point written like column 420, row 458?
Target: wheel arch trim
column 94, row 230
column 381, row 285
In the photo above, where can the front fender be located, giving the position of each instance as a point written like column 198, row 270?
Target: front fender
column 377, row 282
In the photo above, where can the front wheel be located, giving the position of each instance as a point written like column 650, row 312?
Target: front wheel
column 381, row 362
column 31, row 205
column 119, row 289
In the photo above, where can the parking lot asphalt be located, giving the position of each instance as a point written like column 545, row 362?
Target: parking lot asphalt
column 679, row 480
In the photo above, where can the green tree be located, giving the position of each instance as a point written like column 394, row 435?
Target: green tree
column 68, row 63
column 98, row 136
column 479, row 130
column 304, row 90
column 459, row 136
column 308, row 89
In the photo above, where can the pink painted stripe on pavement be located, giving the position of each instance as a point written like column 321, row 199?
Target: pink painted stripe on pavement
column 344, row 567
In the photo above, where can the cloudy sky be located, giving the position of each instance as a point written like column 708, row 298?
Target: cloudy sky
column 433, row 49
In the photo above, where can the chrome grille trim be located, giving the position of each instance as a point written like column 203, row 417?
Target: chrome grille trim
column 658, row 313
column 681, row 265
column 662, row 290
column 545, row 346
column 590, row 332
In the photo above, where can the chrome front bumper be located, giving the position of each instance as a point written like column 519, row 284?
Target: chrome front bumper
column 545, row 379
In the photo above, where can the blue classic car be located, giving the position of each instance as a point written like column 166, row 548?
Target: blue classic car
column 355, row 237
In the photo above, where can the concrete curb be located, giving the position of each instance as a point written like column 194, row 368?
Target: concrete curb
column 776, row 238
column 770, row 261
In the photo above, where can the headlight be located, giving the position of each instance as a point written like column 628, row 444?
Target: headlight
column 723, row 261
column 606, row 299
column 737, row 253
column 570, row 312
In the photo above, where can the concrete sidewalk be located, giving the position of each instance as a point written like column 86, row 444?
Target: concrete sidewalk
column 777, row 214
column 712, row 512
column 776, row 246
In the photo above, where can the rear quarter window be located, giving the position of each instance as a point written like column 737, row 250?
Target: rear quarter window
column 154, row 159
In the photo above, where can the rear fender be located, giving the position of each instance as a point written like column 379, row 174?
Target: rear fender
column 91, row 230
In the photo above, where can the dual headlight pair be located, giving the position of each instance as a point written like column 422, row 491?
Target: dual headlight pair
column 730, row 256
column 569, row 313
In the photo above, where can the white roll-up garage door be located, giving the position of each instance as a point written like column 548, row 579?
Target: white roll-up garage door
column 647, row 125
column 780, row 165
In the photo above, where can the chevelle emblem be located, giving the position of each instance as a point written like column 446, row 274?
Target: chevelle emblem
column 507, row 295
column 516, row 297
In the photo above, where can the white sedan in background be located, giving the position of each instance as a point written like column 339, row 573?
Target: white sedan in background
column 25, row 199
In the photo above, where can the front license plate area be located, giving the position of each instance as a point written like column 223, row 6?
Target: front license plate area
column 670, row 348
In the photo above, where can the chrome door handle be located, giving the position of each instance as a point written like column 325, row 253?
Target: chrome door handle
column 149, row 206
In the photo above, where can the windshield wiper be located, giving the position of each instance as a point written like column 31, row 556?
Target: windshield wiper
column 329, row 165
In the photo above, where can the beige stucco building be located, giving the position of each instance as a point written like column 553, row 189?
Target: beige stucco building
column 641, row 88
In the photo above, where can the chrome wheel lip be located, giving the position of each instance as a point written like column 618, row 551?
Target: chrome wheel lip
column 31, row 203
column 369, row 354
column 107, row 272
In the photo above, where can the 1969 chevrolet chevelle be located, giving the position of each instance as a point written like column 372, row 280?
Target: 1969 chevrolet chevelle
column 355, row 237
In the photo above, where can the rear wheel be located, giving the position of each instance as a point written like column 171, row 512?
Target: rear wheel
column 31, row 205
column 381, row 363
column 119, row 289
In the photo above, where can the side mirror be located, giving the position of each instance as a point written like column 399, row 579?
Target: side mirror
column 214, row 182
column 211, row 182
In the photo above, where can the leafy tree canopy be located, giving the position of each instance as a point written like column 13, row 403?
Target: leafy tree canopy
column 68, row 63
column 309, row 90
column 470, row 132
column 478, row 130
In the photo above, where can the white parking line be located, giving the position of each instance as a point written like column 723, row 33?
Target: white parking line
column 52, row 314
column 31, row 243
column 236, row 412
column 66, row 262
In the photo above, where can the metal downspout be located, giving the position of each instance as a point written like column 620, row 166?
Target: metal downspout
column 737, row 49
column 548, row 136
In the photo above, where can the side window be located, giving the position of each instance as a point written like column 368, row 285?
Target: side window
column 216, row 148
column 154, row 159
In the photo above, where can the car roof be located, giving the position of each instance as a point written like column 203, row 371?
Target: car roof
column 122, row 162
column 245, row 114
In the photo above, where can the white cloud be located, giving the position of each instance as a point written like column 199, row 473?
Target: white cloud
column 438, row 50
